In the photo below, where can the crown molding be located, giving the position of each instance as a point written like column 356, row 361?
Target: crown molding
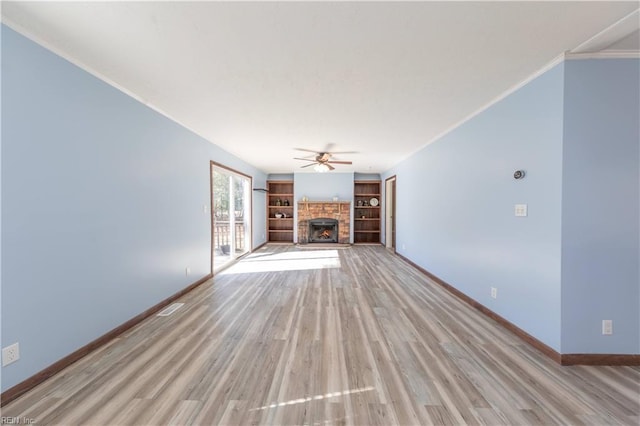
column 605, row 54
column 614, row 32
column 90, row 70
column 556, row 61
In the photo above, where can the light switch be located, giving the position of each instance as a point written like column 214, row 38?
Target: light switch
column 521, row 210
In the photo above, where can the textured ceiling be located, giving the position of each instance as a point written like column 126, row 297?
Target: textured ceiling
column 262, row 78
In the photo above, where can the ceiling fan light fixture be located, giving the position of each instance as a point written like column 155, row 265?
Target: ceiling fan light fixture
column 321, row 168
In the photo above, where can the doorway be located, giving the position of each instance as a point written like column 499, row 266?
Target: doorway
column 230, row 215
column 390, row 213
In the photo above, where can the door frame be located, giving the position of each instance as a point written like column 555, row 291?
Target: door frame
column 213, row 164
column 390, row 212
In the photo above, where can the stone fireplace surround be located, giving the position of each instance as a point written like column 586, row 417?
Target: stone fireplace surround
column 339, row 210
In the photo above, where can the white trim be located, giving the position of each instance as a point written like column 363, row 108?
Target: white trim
column 50, row 47
column 605, row 54
column 503, row 95
column 612, row 54
column 614, row 32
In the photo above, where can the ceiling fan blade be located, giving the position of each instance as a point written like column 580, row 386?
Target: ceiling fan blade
column 329, row 166
column 329, row 147
column 306, row 150
column 340, row 162
column 308, row 165
column 304, row 159
column 344, row 152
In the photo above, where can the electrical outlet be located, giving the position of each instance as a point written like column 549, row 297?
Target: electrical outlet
column 494, row 293
column 10, row 354
column 187, row 271
column 607, row 327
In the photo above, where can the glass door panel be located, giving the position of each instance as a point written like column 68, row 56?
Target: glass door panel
column 221, row 228
column 242, row 216
column 231, row 211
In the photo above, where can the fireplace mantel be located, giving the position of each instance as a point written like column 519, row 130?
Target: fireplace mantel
column 339, row 210
column 342, row 205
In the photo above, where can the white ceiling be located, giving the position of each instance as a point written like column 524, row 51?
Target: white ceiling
column 261, row 78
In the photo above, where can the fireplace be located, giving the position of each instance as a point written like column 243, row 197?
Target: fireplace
column 323, row 230
column 339, row 212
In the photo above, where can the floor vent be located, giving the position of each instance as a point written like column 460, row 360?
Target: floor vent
column 170, row 309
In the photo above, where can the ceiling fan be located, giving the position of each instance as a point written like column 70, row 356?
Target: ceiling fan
column 321, row 160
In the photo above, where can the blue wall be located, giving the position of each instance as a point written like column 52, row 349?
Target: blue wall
column 102, row 206
column 601, row 206
column 455, row 207
column 322, row 187
column 574, row 260
column 280, row 176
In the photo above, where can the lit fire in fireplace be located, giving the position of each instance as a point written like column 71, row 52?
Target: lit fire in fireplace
column 323, row 230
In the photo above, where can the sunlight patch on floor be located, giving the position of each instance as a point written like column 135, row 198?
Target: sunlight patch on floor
column 312, row 398
column 288, row 261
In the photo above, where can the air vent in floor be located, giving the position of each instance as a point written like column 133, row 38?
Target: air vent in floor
column 170, row 309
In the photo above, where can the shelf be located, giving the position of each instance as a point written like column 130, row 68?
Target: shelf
column 281, row 237
column 280, row 229
column 366, row 238
column 367, row 229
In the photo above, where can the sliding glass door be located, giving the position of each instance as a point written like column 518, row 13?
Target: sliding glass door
column 231, row 214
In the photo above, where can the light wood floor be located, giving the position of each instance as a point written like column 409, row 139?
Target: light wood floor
column 341, row 336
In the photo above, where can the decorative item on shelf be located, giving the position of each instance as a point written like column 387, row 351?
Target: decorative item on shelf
column 335, row 198
column 286, row 202
column 365, row 204
column 278, row 202
column 363, row 216
column 373, row 202
column 278, row 215
column 359, row 203
column 305, row 198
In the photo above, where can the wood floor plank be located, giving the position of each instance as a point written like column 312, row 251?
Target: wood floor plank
column 363, row 339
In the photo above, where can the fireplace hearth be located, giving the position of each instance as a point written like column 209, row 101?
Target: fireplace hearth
column 323, row 230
